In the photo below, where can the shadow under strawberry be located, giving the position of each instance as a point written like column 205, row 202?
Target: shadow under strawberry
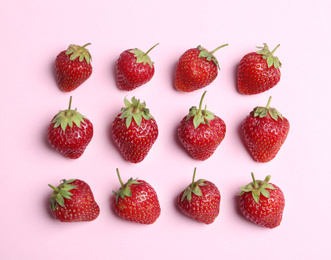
column 242, row 138
column 235, row 77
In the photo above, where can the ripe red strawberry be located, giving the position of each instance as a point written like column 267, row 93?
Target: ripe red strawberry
column 136, row 201
column 134, row 130
column 200, row 201
column 201, row 132
column 134, row 68
column 265, row 131
column 73, row 201
column 73, row 67
column 196, row 69
column 262, row 203
column 258, row 71
column 70, row 132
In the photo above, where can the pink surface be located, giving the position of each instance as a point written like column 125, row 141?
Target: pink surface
column 34, row 32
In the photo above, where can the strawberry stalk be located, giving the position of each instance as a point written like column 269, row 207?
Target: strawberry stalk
column 209, row 56
column 264, row 111
column 151, row 49
column 268, row 56
column 200, row 116
column 68, row 117
column 212, row 52
column 257, row 187
column 193, row 187
column 125, row 190
column 143, row 57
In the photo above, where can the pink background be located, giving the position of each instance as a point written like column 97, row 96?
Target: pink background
column 34, row 32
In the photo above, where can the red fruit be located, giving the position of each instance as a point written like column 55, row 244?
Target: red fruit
column 200, row 201
column 134, row 130
column 258, row 71
column 201, row 132
column 136, row 201
column 134, row 68
column 265, row 131
column 73, row 67
column 70, row 132
column 73, row 201
column 262, row 203
column 196, row 69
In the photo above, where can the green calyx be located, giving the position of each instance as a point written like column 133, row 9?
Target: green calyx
column 143, row 57
column 194, row 188
column 267, row 55
column 200, row 116
column 67, row 118
column 258, row 187
column 135, row 110
column 209, row 56
column 60, row 192
column 76, row 51
column 125, row 190
column 263, row 111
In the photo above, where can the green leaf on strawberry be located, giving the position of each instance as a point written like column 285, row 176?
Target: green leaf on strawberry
column 267, row 55
column 263, row 111
column 68, row 117
column 125, row 190
column 210, row 55
column 258, row 187
column 200, row 116
column 193, row 187
column 60, row 192
column 76, row 51
column 142, row 57
column 135, row 111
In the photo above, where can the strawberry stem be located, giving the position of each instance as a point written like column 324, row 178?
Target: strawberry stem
column 192, row 184
column 87, row 44
column 119, row 177
column 275, row 49
column 219, row 48
column 268, row 104
column 68, row 112
column 200, row 105
column 55, row 189
column 151, row 49
column 70, row 100
column 254, row 181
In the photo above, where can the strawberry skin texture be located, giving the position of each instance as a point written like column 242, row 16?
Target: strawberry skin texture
column 73, row 67
column 193, row 73
column 268, row 212
column 203, row 208
column 136, row 141
column 201, row 142
column 131, row 74
column 81, row 206
column 264, row 136
column 73, row 141
column 142, row 207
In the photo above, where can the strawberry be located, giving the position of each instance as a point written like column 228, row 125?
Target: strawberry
column 265, row 131
column 196, row 69
column 136, row 201
column 73, row 201
column 201, row 132
column 73, row 67
column 200, row 201
column 262, row 203
column 70, row 132
column 134, row 68
column 258, row 71
column 134, row 130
